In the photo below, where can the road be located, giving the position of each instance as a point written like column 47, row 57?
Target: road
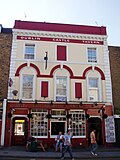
column 94, row 158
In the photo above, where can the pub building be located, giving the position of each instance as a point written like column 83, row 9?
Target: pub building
column 60, row 79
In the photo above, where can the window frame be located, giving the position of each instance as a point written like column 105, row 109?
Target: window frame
column 67, row 98
column 23, row 72
column 39, row 113
column 93, row 62
column 73, row 120
column 34, row 55
column 99, row 89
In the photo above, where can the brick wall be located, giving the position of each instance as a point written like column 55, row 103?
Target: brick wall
column 114, row 53
column 5, row 51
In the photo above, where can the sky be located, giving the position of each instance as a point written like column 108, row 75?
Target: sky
column 80, row 12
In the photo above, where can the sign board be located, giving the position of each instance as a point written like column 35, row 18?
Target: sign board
column 110, row 129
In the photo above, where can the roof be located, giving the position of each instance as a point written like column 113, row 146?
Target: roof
column 59, row 27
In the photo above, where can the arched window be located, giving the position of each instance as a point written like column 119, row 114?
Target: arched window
column 94, row 86
column 61, row 85
column 27, row 84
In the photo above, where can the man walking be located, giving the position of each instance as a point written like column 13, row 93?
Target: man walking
column 67, row 145
column 94, row 144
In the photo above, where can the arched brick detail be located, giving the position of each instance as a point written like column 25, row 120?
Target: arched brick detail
column 97, row 69
column 19, row 68
column 86, row 70
column 53, row 69
column 69, row 70
column 101, row 72
column 25, row 65
column 65, row 67
column 36, row 68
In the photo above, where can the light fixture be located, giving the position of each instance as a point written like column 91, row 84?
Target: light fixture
column 20, row 101
column 35, row 101
column 81, row 103
column 51, row 102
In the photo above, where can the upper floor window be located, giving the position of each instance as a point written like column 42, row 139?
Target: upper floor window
column 61, row 53
column 29, row 51
column 27, row 86
column 92, row 55
column 61, row 88
column 93, row 89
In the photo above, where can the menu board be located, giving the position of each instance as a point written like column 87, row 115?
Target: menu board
column 110, row 129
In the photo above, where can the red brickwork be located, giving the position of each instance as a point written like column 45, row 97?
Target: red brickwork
column 5, row 52
column 114, row 53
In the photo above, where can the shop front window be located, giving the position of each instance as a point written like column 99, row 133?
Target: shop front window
column 39, row 123
column 78, row 123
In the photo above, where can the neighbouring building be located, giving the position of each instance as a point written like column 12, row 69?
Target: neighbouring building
column 114, row 53
column 60, row 76
column 5, row 51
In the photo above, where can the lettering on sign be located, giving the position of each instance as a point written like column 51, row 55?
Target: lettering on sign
column 59, row 40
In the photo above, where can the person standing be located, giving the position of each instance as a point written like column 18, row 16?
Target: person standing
column 67, row 145
column 94, row 144
column 59, row 141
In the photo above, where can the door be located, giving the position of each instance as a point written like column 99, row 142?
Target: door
column 19, row 131
column 95, row 123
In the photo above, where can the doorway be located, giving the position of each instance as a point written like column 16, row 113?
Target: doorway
column 19, row 131
column 95, row 123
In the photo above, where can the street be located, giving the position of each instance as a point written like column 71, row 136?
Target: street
column 94, row 158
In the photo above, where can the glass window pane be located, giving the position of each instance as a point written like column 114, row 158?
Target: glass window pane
column 92, row 57
column 29, row 51
column 39, row 123
column 61, row 88
column 93, row 82
column 27, row 88
column 78, row 123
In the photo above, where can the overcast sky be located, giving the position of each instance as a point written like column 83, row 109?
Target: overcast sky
column 82, row 12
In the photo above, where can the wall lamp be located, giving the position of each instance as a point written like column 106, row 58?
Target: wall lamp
column 51, row 102
column 66, row 102
column 35, row 101
column 81, row 103
column 20, row 101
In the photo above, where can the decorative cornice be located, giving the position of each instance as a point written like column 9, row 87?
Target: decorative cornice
column 59, row 35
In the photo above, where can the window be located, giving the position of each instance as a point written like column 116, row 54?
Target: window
column 39, row 123
column 58, row 122
column 29, row 51
column 61, row 88
column 78, row 123
column 27, row 87
column 61, row 53
column 93, row 89
column 92, row 55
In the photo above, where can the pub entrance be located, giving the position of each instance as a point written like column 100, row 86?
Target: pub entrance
column 19, row 131
column 95, row 123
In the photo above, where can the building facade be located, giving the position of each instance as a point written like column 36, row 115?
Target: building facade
column 61, row 79
column 5, row 51
column 114, row 53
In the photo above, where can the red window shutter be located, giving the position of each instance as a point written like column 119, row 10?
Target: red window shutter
column 44, row 89
column 61, row 53
column 78, row 90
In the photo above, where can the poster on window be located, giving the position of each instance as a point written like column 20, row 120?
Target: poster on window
column 110, row 129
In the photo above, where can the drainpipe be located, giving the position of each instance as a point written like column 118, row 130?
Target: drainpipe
column 3, row 122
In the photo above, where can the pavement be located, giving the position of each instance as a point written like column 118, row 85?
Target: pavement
column 79, row 153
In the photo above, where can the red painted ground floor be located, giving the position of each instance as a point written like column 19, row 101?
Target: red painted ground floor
column 44, row 120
